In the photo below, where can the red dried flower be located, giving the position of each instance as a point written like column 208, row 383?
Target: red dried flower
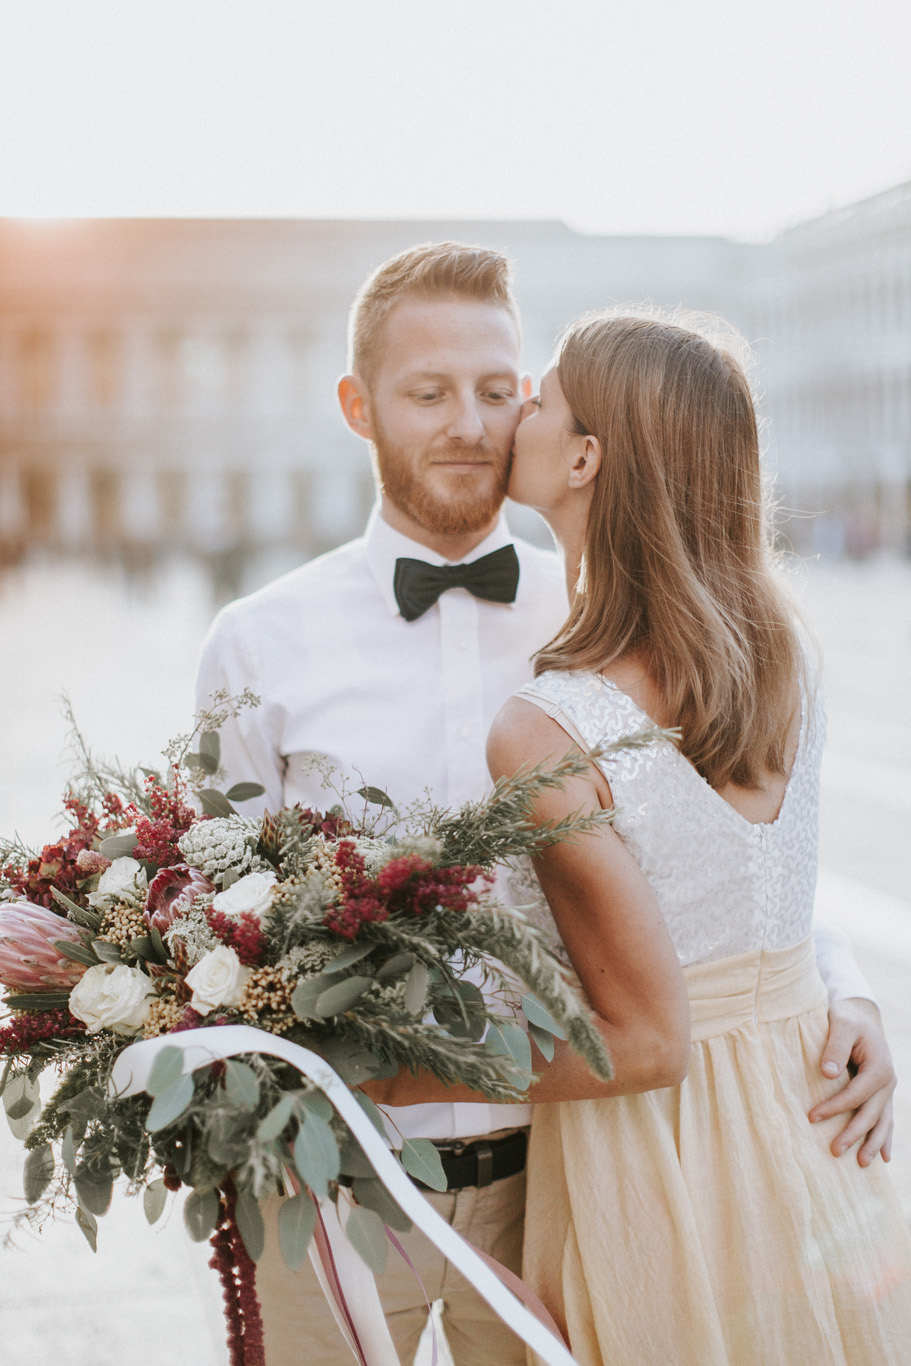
column 243, row 933
column 23, row 1033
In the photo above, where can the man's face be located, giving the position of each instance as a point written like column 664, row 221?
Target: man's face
column 442, row 411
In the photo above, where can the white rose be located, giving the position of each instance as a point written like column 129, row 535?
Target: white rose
column 219, row 979
column 116, row 998
column 125, row 875
column 253, row 892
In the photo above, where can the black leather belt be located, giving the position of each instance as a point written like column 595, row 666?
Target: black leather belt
column 483, row 1161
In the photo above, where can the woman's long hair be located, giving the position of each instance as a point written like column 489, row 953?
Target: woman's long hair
column 678, row 563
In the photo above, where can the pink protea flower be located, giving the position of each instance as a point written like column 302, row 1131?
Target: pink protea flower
column 28, row 959
column 172, row 891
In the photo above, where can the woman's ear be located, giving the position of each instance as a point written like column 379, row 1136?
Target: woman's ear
column 355, row 404
column 586, row 463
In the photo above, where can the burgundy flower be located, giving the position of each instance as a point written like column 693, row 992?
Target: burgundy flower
column 28, row 959
column 171, row 892
column 90, row 861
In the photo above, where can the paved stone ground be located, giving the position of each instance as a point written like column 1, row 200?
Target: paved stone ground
column 147, row 1297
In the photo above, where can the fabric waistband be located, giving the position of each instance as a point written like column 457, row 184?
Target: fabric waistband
column 755, row 987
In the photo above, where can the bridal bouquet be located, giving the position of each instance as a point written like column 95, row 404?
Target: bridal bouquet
column 363, row 933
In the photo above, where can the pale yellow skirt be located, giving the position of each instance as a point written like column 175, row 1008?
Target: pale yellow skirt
column 708, row 1224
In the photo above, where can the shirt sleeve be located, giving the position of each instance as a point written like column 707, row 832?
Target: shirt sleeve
column 838, row 966
column 250, row 741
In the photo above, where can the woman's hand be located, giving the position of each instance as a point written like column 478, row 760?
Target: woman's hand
column 857, row 1043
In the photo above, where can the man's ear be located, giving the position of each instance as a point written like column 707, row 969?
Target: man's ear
column 586, row 464
column 355, row 404
column 525, row 387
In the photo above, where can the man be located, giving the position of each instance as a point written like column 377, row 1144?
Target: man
column 392, row 663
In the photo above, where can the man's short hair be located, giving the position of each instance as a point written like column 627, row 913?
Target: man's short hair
column 433, row 270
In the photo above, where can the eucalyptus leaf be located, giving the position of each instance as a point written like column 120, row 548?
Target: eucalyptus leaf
column 215, row 803
column 495, row 1043
column 169, row 1105
column 399, row 962
column 517, row 1042
column 243, row 792
column 316, row 1154
column 305, row 996
column 80, row 953
column 536, row 1014
column 118, row 846
column 94, row 1189
column 210, row 745
column 422, row 1161
column 376, row 796
column 20, row 1096
column 275, row 1121
column 107, row 952
column 316, row 1102
column 228, row 878
column 364, row 1231
column 39, row 1171
column 543, row 1038
column 68, row 1150
column 88, row 1104
column 241, row 1085
column 353, row 1062
column 349, row 956
column 372, row 1194
column 353, row 1160
column 250, row 1224
column 203, row 761
column 342, row 995
column 154, row 1198
column 37, row 1000
column 200, row 1214
column 370, row 1110
column 166, row 1070
column 88, row 1224
column 227, row 1142
column 91, row 919
column 143, row 948
column 296, row 1221
column 158, row 944
column 416, row 985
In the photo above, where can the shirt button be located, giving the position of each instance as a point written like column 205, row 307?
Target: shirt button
column 464, row 732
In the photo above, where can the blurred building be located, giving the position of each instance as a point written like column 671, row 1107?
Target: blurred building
column 828, row 307
column 170, row 384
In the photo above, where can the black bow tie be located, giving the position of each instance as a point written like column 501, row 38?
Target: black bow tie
column 417, row 585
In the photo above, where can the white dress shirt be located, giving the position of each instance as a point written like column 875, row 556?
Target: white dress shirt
column 403, row 706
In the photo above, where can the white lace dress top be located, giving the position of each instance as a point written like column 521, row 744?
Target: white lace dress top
column 725, row 885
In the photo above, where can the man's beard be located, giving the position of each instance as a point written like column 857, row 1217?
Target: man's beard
column 461, row 510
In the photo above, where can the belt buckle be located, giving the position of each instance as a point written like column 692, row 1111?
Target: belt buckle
column 484, row 1154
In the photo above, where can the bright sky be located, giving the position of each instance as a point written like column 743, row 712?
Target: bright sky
column 619, row 116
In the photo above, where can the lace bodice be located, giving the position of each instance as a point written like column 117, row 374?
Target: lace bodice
column 724, row 885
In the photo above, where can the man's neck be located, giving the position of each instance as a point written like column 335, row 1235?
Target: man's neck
column 452, row 546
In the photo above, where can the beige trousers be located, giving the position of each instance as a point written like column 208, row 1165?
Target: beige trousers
column 300, row 1329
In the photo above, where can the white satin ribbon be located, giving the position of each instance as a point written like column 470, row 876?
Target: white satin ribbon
column 203, row 1046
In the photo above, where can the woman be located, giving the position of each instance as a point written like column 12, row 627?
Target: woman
column 706, row 1222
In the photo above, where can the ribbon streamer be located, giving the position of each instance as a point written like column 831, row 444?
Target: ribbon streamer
column 203, row 1046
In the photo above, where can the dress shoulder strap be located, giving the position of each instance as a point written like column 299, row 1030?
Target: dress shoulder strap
column 588, row 708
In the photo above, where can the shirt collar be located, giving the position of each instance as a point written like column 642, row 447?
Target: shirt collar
column 384, row 545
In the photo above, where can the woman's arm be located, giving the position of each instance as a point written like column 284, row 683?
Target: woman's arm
column 613, row 930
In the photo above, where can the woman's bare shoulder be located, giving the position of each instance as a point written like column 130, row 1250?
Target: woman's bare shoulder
column 523, row 734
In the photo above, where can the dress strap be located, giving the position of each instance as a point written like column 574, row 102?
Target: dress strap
column 556, row 713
